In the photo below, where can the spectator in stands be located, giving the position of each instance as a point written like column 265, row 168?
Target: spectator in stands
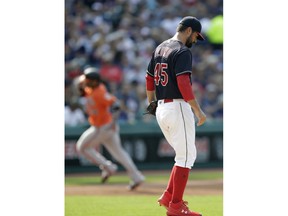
column 119, row 36
column 74, row 115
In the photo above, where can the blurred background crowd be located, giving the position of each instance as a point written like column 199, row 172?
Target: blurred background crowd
column 119, row 36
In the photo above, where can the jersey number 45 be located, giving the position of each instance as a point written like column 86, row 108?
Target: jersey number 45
column 160, row 74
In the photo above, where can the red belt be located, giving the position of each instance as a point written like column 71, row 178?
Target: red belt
column 168, row 100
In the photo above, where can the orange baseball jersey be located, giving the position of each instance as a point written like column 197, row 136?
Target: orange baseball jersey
column 98, row 103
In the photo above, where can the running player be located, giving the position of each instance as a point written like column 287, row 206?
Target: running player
column 103, row 130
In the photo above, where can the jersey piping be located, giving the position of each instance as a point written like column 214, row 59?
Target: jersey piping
column 183, row 72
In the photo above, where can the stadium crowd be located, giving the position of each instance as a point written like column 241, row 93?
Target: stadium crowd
column 119, row 36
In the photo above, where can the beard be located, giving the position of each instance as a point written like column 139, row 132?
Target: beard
column 189, row 41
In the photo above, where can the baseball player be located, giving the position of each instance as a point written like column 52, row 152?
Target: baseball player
column 104, row 129
column 168, row 80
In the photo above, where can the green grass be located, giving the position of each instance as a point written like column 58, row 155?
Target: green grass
column 136, row 205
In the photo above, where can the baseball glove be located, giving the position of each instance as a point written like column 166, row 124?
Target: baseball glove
column 151, row 109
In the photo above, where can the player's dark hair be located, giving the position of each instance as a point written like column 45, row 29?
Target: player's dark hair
column 181, row 28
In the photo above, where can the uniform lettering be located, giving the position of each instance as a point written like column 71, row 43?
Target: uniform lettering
column 160, row 74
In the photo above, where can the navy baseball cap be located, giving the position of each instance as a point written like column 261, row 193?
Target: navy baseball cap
column 194, row 23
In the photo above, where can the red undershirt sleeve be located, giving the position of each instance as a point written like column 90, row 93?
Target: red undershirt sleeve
column 185, row 87
column 150, row 83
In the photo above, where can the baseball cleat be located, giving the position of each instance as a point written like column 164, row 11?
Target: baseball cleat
column 134, row 185
column 180, row 209
column 104, row 177
column 138, row 180
column 107, row 171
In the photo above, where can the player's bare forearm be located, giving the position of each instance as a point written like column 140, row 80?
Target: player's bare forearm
column 194, row 105
column 197, row 111
column 150, row 96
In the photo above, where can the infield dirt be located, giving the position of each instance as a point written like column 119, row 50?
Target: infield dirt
column 194, row 187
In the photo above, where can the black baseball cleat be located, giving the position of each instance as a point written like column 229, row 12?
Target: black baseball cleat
column 107, row 171
column 138, row 180
column 134, row 185
column 104, row 179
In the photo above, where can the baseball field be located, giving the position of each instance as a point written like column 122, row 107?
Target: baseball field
column 85, row 196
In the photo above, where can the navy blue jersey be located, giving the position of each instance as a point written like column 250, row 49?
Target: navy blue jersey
column 169, row 60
